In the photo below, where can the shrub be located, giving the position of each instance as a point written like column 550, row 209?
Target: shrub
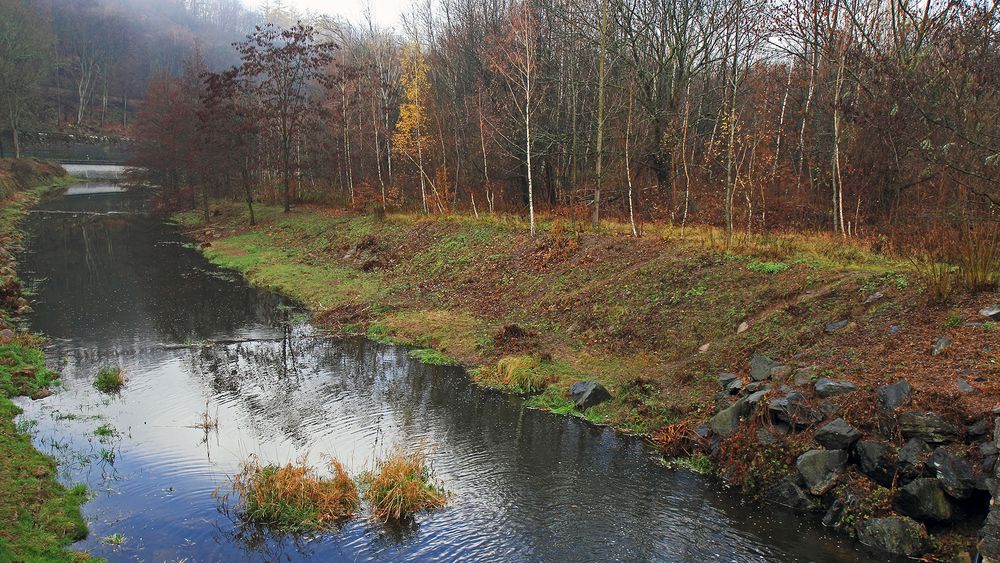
column 978, row 256
column 402, row 485
column 110, row 380
column 294, row 497
column 937, row 277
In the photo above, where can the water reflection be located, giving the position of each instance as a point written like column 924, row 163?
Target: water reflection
column 126, row 290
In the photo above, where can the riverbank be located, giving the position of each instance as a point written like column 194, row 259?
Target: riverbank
column 38, row 516
column 656, row 321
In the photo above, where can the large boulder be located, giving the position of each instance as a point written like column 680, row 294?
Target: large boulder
column 877, row 460
column 928, row 426
column 726, row 421
column 896, row 535
column 788, row 493
column 820, row 468
column 826, row 387
column 954, row 473
column 891, row 397
column 924, row 499
column 837, row 435
column 586, row 394
column 761, row 367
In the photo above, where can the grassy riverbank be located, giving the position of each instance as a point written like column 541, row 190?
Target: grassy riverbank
column 38, row 516
column 654, row 319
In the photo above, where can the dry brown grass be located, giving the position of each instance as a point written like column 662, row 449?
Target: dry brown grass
column 294, row 496
column 402, row 485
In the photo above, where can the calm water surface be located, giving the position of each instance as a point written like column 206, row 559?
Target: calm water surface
column 117, row 287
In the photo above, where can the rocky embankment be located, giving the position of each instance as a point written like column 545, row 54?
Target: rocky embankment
column 900, row 482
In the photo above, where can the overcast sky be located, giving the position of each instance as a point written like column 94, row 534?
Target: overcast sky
column 386, row 12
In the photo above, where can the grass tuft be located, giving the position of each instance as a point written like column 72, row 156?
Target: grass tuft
column 110, row 380
column 431, row 357
column 294, row 497
column 402, row 485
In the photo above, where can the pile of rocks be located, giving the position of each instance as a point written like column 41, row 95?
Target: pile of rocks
column 930, row 478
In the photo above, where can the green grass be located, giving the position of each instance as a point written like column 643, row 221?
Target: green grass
column 697, row 463
column 767, row 267
column 110, row 379
column 432, row 357
column 105, row 431
column 115, row 539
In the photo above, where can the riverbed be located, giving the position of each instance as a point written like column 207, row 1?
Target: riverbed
column 115, row 286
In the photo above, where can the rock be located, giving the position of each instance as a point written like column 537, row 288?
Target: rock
column 704, row 347
column 788, row 493
column 837, row 435
column 805, row 376
column 833, row 327
column 928, row 426
column 924, row 499
column 735, row 386
column 744, row 326
column 894, row 330
column 877, row 460
column 726, row 421
column 820, row 469
column 726, row 378
column 992, row 313
column 939, row 345
column 911, row 458
column 834, row 517
column 954, row 473
column 895, row 534
column 826, row 387
column 989, row 546
column 781, row 373
column 873, row 298
column 891, row 397
column 588, row 393
column 792, row 409
column 6, row 336
column 965, row 387
column 751, row 388
column 979, row 429
column 761, row 366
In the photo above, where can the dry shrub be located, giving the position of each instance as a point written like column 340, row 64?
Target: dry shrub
column 937, row 276
column 294, row 497
column 402, row 485
column 978, row 255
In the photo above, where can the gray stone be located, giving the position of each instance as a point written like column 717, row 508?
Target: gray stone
column 837, row 435
column 734, row 387
column 820, row 468
column 896, row 535
column 940, row 345
column 928, row 426
column 894, row 330
column 788, row 493
column 891, row 397
column 873, row 298
column 726, row 421
column 588, row 393
column 924, row 499
column 781, row 373
column 826, row 387
column 954, row 473
column 965, row 387
column 911, row 458
column 833, row 327
column 979, row 429
column 751, row 388
column 726, row 378
column 6, row 335
column 793, row 410
column 877, row 460
column 993, row 313
column 761, row 366
column 805, row 376
column 753, row 399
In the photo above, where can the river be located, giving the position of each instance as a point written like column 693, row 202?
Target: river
column 115, row 286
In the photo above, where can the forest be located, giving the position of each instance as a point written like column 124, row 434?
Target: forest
column 857, row 117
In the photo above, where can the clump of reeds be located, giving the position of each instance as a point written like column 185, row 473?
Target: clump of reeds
column 294, row 497
column 979, row 256
column 402, row 485
column 207, row 422
column 110, row 379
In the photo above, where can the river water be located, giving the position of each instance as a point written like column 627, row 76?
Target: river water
column 115, row 286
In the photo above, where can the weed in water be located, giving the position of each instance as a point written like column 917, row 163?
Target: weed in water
column 110, row 380
column 104, row 431
column 294, row 497
column 206, row 422
column 25, row 425
column 108, row 456
column 115, row 539
column 697, row 463
column 431, row 357
column 401, row 485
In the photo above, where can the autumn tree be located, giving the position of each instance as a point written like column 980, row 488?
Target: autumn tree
column 411, row 127
column 24, row 46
